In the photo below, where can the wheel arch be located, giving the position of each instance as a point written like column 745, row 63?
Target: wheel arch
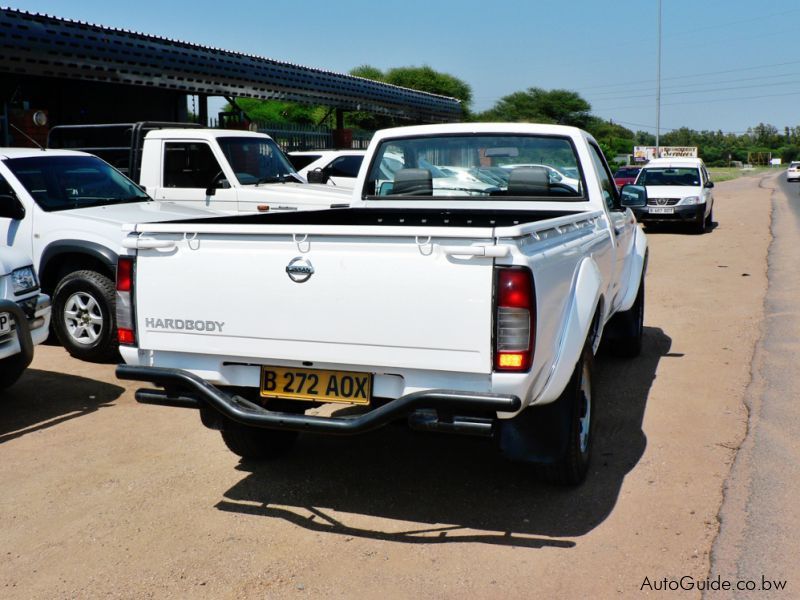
column 583, row 322
column 638, row 270
column 66, row 256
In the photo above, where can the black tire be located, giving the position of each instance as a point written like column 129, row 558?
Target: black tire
column 257, row 444
column 84, row 318
column 625, row 329
column 699, row 225
column 574, row 413
column 11, row 369
column 710, row 218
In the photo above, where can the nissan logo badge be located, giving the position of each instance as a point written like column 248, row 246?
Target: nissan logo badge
column 299, row 269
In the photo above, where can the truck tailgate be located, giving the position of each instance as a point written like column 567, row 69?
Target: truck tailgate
column 375, row 301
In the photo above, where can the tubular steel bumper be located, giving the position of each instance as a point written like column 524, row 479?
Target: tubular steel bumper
column 22, row 329
column 186, row 390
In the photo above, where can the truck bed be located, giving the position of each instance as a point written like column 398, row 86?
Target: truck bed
column 402, row 217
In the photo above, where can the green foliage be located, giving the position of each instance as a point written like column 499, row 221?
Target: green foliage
column 789, row 153
column 368, row 72
column 279, row 112
column 536, row 105
column 424, row 79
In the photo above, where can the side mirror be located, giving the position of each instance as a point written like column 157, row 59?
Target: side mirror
column 317, row 176
column 219, row 181
column 633, row 196
column 11, row 207
column 709, row 184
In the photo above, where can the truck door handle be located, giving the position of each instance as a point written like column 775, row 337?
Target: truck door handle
column 146, row 243
column 490, row 251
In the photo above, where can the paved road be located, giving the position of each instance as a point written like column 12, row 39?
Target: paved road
column 760, row 517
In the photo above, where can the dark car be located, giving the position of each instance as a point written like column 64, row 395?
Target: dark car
column 626, row 175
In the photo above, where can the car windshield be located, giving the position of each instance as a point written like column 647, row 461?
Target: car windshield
column 65, row 182
column 684, row 176
column 256, row 160
column 505, row 166
column 626, row 173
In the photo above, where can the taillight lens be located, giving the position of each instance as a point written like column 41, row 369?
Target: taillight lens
column 126, row 332
column 124, row 274
column 515, row 320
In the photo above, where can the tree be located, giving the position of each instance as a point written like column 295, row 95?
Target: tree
column 424, row 79
column 368, row 72
column 275, row 111
column 536, row 105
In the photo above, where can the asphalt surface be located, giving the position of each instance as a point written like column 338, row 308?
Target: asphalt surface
column 760, row 515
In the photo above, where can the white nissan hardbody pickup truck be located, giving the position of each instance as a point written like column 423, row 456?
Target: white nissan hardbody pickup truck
column 461, row 309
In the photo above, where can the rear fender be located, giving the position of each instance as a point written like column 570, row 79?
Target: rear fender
column 637, row 272
column 586, row 297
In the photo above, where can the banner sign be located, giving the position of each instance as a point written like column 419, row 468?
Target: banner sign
column 645, row 153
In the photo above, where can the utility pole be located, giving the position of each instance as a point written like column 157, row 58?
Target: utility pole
column 658, row 86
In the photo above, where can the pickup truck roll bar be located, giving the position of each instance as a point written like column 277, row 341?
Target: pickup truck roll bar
column 186, row 390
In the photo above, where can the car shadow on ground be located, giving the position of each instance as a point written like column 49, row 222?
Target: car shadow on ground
column 429, row 489
column 42, row 399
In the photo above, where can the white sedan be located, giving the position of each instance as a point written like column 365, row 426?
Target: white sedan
column 793, row 172
column 340, row 166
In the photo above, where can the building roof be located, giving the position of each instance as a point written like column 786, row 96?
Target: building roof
column 46, row 46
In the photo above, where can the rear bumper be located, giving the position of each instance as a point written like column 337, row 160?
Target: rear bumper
column 186, row 390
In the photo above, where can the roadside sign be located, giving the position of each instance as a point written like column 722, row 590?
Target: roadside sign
column 645, row 153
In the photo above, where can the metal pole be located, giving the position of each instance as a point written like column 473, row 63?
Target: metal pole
column 658, row 87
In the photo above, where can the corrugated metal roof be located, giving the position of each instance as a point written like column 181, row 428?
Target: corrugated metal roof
column 43, row 45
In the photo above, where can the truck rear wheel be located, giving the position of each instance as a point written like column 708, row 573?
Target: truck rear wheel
column 256, row 443
column 83, row 316
column 555, row 440
column 574, row 413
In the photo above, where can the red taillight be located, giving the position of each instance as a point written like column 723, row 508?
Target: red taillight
column 124, row 273
column 126, row 332
column 515, row 319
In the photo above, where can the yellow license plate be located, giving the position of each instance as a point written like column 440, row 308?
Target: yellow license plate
column 316, row 385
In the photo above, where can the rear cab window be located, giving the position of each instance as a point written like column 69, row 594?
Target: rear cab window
column 464, row 167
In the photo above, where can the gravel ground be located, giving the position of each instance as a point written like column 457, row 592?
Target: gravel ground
column 102, row 497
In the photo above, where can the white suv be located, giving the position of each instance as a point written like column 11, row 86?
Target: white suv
column 678, row 190
column 793, row 172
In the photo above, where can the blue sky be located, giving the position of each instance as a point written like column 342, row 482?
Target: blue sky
column 725, row 64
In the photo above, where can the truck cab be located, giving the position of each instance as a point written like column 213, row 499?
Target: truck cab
column 226, row 170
